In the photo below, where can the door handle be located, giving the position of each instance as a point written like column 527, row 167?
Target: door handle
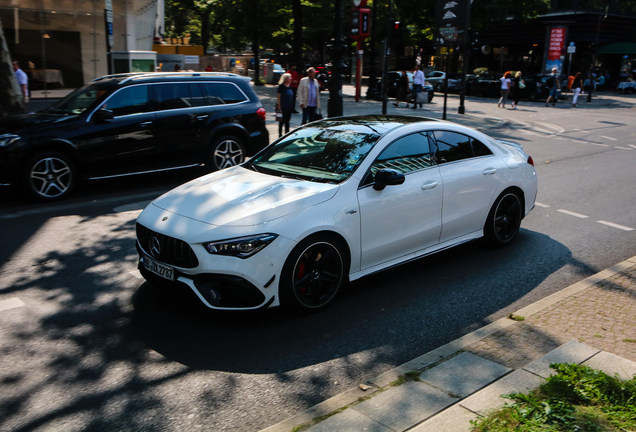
column 145, row 123
column 202, row 117
column 490, row 171
column 429, row 185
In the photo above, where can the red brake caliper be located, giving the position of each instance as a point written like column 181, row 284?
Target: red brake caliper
column 301, row 273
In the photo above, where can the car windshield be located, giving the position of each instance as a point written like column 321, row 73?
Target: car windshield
column 314, row 154
column 80, row 100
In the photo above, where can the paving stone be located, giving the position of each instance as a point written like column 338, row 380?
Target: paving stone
column 453, row 419
column 349, row 421
column 402, row 407
column 612, row 364
column 571, row 352
column 490, row 398
column 464, row 374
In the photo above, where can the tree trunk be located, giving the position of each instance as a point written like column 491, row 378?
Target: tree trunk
column 256, row 48
column 10, row 95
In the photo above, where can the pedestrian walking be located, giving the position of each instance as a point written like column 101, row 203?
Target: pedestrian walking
column 505, row 89
column 402, row 90
column 552, row 83
column 418, row 82
column 590, row 80
column 295, row 79
column 308, row 95
column 577, row 85
column 284, row 102
column 517, row 84
column 23, row 81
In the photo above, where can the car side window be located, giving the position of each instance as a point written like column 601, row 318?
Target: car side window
column 479, row 148
column 129, row 100
column 452, row 146
column 172, row 96
column 223, row 93
column 407, row 154
column 197, row 97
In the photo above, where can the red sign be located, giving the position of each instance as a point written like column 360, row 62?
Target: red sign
column 557, row 42
column 360, row 24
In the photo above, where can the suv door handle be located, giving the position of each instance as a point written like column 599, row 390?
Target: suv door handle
column 429, row 185
column 490, row 171
column 202, row 117
column 146, row 123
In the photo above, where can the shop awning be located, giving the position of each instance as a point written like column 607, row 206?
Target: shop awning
column 618, row 48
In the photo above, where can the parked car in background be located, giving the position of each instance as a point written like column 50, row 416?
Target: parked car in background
column 485, row 85
column 125, row 124
column 438, row 78
column 393, row 83
column 331, row 202
column 278, row 72
column 323, row 75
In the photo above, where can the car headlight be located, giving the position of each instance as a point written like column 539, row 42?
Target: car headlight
column 242, row 247
column 7, row 139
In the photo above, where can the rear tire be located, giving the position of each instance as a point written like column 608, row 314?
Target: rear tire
column 504, row 219
column 313, row 274
column 226, row 152
column 49, row 176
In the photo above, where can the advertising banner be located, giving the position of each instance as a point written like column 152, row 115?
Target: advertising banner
column 450, row 21
column 555, row 51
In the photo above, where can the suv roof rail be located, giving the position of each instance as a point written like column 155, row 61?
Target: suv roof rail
column 135, row 75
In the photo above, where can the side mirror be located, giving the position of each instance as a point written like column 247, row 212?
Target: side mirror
column 102, row 114
column 387, row 177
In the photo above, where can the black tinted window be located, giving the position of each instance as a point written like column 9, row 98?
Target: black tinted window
column 197, row 97
column 172, row 96
column 407, row 154
column 479, row 148
column 129, row 100
column 220, row 93
column 452, row 146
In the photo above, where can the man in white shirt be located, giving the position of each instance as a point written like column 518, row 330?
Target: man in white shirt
column 308, row 95
column 418, row 82
column 23, row 80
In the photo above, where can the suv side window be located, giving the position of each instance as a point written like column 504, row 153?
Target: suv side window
column 198, row 99
column 129, row 100
column 172, row 96
column 452, row 146
column 223, row 93
column 407, row 154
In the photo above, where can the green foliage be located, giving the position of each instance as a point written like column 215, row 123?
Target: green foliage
column 489, row 13
column 577, row 398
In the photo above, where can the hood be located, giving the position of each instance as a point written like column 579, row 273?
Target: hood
column 241, row 197
column 25, row 122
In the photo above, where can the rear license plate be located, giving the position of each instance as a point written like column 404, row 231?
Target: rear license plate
column 153, row 266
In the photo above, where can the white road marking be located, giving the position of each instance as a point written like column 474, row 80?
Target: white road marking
column 623, row 148
column 624, row 228
column 541, row 205
column 632, row 145
column 609, row 138
column 11, row 304
column 578, row 215
column 560, row 139
column 600, row 145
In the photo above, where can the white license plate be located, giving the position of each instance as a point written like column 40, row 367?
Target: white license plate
column 153, row 266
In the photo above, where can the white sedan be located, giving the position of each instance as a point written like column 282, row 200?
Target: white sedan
column 331, row 202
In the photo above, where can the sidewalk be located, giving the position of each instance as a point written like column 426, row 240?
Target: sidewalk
column 592, row 322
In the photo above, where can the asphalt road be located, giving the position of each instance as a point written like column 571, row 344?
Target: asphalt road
column 93, row 347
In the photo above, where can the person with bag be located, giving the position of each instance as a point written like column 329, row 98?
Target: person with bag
column 284, row 103
column 418, row 82
column 309, row 96
column 577, row 84
column 403, row 89
column 505, row 89
column 517, row 85
column 552, row 83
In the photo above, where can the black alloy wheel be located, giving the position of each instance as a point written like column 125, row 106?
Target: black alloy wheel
column 226, row 152
column 438, row 87
column 504, row 219
column 313, row 274
column 49, row 176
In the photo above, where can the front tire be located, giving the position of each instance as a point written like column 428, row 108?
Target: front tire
column 504, row 219
column 49, row 176
column 226, row 152
column 313, row 274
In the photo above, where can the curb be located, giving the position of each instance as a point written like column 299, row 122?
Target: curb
column 445, row 351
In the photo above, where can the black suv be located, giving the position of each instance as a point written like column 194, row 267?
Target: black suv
column 132, row 124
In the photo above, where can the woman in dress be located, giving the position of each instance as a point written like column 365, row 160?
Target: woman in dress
column 505, row 89
column 285, row 102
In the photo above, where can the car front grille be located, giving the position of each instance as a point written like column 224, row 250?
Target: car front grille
column 168, row 250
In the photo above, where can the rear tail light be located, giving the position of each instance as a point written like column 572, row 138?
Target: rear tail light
column 261, row 113
column 530, row 161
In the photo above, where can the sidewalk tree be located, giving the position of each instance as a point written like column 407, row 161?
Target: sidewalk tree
column 10, row 95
